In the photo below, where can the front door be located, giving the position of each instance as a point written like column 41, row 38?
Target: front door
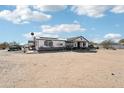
column 78, row 45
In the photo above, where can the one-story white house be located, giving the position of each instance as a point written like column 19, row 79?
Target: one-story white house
column 48, row 43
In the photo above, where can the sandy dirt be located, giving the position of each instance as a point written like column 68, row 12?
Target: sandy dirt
column 62, row 70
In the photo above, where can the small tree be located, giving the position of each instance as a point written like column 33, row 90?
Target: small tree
column 4, row 45
column 107, row 44
column 93, row 43
column 13, row 43
column 121, row 41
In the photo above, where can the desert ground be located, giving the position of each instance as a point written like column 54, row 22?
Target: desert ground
column 104, row 69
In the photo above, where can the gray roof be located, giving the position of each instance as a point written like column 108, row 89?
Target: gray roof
column 49, row 38
column 68, row 39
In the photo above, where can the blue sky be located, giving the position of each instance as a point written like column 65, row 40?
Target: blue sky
column 96, row 23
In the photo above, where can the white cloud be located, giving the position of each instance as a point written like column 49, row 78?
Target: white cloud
column 110, row 36
column 39, row 34
column 50, row 8
column 23, row 14
column 90, row 10
column 97, row 40
column 118, row 9
column 62, row 28
column 113, row 36
column 97, row 11
column 52, row 31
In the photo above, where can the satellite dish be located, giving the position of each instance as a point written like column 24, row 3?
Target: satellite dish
column 32, row 33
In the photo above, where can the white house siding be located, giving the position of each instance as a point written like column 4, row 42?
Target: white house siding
column 39, row 43
column 87, row 44
column 81, row 45
column 75, row 44
column 58, row 43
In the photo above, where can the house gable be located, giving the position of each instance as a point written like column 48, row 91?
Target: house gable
column 79, row 38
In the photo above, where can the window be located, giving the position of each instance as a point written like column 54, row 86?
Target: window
column 48, row 43
column 61, row 44
column 75, row 44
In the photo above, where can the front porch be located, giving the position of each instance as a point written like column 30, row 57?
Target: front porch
column 77, row 42
column 80, row 44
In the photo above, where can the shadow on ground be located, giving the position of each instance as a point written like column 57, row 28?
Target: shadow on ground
column 79, row 51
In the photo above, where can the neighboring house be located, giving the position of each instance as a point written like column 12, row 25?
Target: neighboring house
column 119, row 46
column 47, row 43
column 114, row 46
